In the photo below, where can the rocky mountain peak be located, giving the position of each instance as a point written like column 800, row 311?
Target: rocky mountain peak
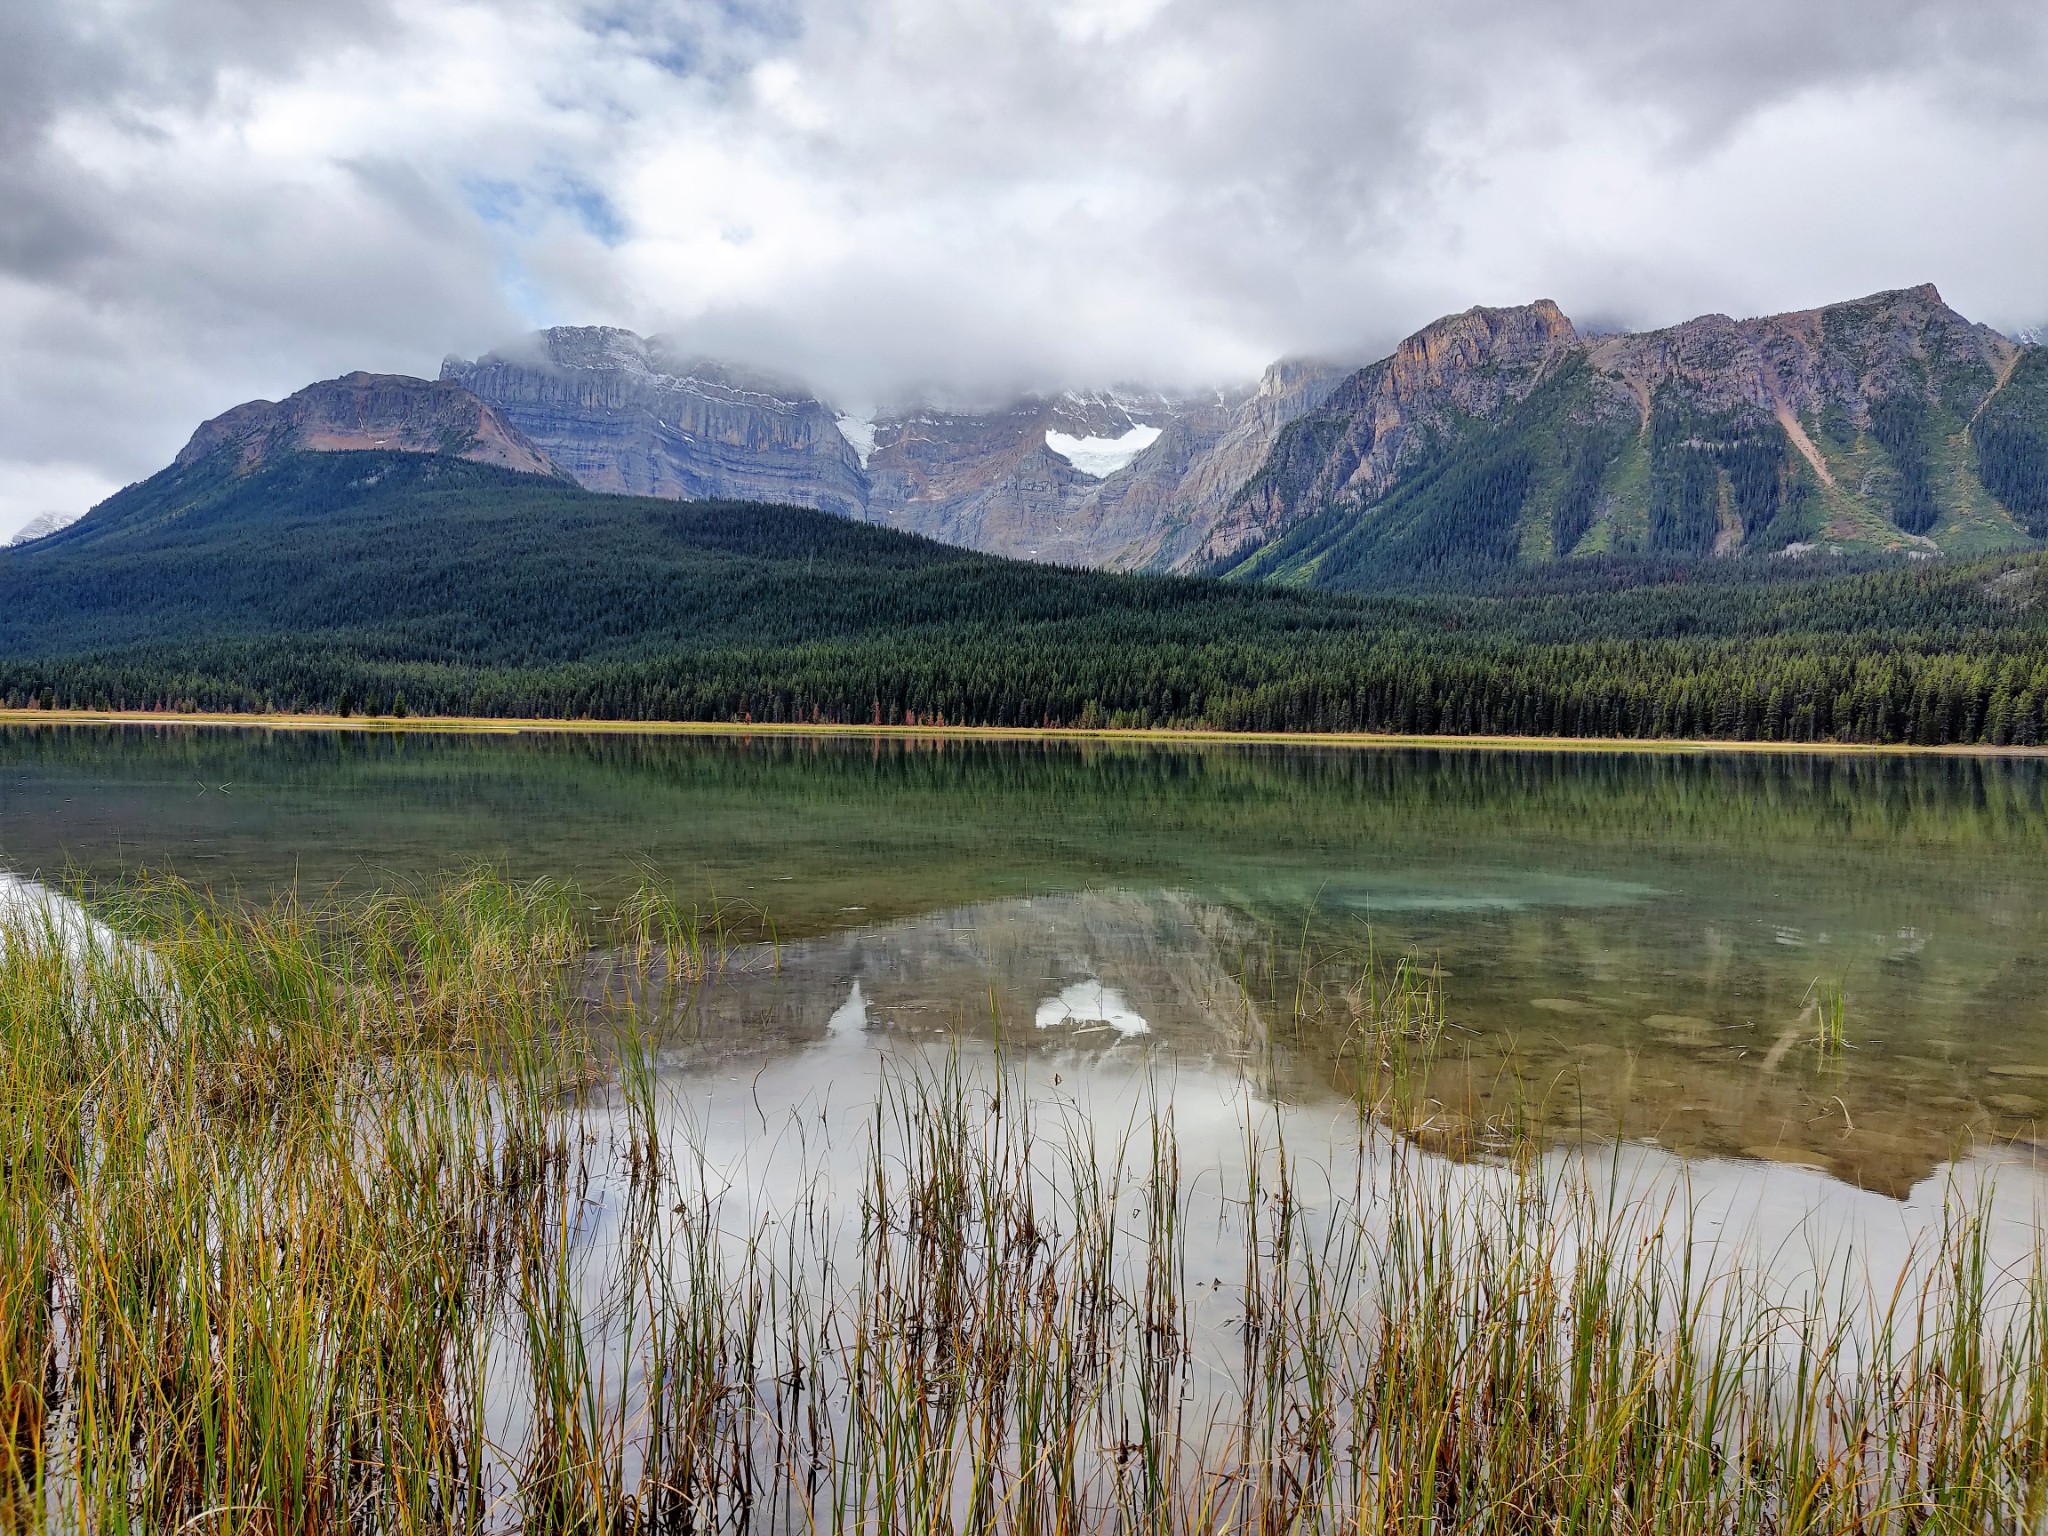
column 1450, row 354
column 42, row 525
column 1903, row 341
column 1290, row 375
column 385, row 411
column 594, row 346
column 1383, row 417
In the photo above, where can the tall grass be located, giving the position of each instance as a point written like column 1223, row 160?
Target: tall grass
column 385, row 1216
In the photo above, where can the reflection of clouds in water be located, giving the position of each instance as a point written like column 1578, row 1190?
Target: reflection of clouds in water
column 850, row 1019
column 35, row 920
column 32, row 914
column 1797, row 1231
column 1090, row 1002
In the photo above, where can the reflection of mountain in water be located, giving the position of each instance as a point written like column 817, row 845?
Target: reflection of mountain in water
column 1097, row 971
column 1080, row 978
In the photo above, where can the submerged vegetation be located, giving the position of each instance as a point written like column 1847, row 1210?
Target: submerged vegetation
column 384, row 1216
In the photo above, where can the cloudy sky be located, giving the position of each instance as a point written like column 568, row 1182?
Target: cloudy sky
column 202, row 201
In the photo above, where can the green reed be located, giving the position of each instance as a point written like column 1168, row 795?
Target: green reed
column 1824, row 998
column 383, row 1216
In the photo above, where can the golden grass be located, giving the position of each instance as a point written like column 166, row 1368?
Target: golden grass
column 490, row 725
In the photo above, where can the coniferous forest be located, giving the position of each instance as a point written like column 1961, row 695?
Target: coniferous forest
column 404, row 584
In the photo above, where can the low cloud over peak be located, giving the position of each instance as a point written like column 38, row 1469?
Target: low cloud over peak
column 208, row 200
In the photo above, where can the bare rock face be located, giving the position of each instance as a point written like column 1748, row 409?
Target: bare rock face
column 991, row 480
column 619, row 413
column 1376, row 422
column 1844, row 355
column 369, row 411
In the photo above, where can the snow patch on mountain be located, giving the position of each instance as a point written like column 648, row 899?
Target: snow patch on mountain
column 1101, row 457
column 859, row 432
column 43, row 525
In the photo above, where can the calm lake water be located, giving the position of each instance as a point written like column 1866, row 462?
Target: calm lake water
column 1632, row 943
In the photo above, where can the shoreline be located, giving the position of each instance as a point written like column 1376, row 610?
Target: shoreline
column 1354, row 740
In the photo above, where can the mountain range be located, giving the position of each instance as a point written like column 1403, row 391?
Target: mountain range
column 1487, row 443
column 1502, row 438
column 1489, row 440
column 1143, row 476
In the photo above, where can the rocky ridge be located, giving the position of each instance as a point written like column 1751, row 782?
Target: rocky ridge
column 1856, row 425
column 1376, row 422
column 368, row 411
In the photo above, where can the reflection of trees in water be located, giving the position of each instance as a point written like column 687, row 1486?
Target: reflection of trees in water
column 1286, row 795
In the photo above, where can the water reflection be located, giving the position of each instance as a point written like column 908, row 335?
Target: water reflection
column 1632, row 944
column 1189, row 985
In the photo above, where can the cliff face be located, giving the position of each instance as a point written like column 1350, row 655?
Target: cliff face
column 368, row 410
column 1499, row 437
column 619, row 413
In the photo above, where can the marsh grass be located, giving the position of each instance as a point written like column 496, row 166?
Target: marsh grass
column 383, row 1216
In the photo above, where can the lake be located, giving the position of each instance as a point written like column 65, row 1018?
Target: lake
column 1633, row 945
column 1020, row 1136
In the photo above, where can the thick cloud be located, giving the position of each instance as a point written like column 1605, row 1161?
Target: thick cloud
column 205, row 200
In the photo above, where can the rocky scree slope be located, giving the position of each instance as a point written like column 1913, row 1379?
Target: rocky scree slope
column 1498, row 439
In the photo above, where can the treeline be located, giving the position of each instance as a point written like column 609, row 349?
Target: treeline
column 391, row 584
column 1742, row 690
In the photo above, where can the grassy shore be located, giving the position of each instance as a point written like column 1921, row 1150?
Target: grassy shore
column 491, row 725
column 382, row 1216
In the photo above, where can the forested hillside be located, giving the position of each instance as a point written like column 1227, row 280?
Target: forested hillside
column 395, row 583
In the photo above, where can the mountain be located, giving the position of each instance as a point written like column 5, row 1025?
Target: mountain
column 1488, row 445
column 622, row 414
column 435, row 571
column 1488, row 442
column 1385, row 417
column 395, row 581
column 367, row 411
column 998, row 480
column 1501, row 439
column 430, row 554
column 42, row 525
column 1144, row 477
